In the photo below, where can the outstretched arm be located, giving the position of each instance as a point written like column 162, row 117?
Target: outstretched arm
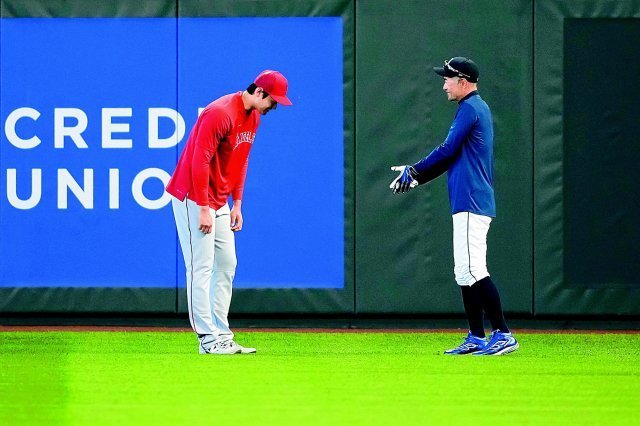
column 443, row 156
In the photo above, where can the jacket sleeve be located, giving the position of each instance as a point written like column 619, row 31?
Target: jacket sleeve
column 213, row 126
column 443, row 156
column 239, row 188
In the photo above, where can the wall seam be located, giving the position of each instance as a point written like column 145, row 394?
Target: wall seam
column 533, row 157
column 177, row 287
column 355, row 156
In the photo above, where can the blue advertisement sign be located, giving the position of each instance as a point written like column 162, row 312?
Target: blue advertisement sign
column 94, row 114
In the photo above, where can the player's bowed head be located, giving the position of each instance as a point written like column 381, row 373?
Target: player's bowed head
column 267, row 91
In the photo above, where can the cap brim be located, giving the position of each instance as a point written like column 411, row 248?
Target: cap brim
column 282, row 100
column 439, row 71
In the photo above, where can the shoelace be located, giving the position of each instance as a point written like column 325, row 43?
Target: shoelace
column 497, row 341
column 226, row 344
column 494, row 336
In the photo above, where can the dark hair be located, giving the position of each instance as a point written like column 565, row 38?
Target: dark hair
column 252, row 88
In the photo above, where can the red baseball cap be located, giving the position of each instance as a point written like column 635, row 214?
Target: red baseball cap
column 275, row 85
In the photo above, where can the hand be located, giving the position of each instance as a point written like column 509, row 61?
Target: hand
column 236, row 217
column 405, row 181
column 206, row 222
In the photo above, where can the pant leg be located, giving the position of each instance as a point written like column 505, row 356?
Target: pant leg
column 223, row 273
column 470, row 247
column 199, row 251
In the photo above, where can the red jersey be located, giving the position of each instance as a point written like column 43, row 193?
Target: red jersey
column 213, row 164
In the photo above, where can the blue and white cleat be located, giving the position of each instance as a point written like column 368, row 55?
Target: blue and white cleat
column 470, row 345
column 499, row 344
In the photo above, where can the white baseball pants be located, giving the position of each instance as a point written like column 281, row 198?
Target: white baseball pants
column 210, row 260
column 470, row 247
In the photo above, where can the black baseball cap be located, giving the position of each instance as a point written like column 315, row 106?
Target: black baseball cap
column 459, row 67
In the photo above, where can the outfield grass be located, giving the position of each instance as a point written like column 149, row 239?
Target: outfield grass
column 122, row 378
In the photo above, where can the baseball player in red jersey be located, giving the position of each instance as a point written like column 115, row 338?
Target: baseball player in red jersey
column 212, row 167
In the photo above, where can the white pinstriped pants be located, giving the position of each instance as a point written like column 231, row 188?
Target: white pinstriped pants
column 470, row 247
column 210, row 260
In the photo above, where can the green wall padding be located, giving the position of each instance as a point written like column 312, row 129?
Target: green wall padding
column 601, row 232
column 87, row 300
column 398, row 256
column 88, row 8
column 404, row 255
column 568, row 229
column 208, row 8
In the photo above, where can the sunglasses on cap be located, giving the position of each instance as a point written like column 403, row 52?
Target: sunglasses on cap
column 460, row 73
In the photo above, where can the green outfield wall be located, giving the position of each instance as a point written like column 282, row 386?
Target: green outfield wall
column 558, row 77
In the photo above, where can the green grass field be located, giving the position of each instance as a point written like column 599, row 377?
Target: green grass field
column 123, row 378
